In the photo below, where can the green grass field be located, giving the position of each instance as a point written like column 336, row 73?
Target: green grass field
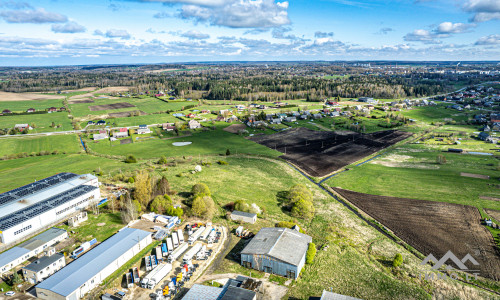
column 22, row 106
column 147, row 105
column 203, row 143
column 411, row 171
column 61, row 143
column 41, row 121
column 17, row 172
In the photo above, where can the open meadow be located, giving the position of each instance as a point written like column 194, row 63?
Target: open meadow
column 42, row 122
column 35, row 144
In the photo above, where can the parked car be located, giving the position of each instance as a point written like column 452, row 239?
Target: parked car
column 10, row 293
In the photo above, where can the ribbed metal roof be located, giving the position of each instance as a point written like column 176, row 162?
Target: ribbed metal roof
column 74, row 275
column 283, row 244
column 43, row 262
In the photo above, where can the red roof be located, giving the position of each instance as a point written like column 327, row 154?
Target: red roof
column 123, row 129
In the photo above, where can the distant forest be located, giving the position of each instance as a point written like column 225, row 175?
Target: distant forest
column 241, row 82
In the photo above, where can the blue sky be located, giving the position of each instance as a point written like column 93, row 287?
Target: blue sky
column 57, row 32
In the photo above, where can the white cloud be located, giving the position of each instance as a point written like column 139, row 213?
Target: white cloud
column 195, row 35
column 37, row 16
column 319, row 34
column 484, row 10
column 231, row 13
column 70, row 27
column 493, row 39
column 114, row 33
column 449, row 27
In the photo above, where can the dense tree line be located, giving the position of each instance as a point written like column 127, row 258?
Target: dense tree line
column 250, row 83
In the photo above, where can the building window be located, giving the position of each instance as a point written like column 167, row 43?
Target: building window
column 290, row 274
column 268, row 269
column 247, row 264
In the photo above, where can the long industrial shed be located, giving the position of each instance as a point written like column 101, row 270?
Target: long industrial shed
column 87, row 272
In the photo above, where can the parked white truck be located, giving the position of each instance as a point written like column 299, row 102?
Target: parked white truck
column 194, row 237
column 177, row 252
column 191, row 253
column 161, row 271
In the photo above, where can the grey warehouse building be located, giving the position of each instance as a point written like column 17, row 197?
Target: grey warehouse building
column 279, row 251
column 85, row 273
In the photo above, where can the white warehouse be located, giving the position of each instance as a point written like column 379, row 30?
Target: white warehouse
column 78, row 278
column 27, row 209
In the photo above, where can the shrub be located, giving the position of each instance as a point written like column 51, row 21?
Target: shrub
column 440, row 159
column 303, row 209
column 131, row 180
column 311, row 253
column 200, row 189
column 130, row 159
column 222, row 162
column 162, row 161
column 398, row 260
column 228, row 152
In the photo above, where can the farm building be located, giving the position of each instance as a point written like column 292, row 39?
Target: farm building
column 122, row 132
column 194, row 124
column 43, row 268
column 82, row 275
column 32, row 207
column 241, row 288
column 279, row 251
column 143, row 129
column 30, row 110
column 32, row 247
column 243, row 216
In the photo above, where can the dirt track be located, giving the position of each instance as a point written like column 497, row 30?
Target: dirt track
column 320, row 153
column 433, row 227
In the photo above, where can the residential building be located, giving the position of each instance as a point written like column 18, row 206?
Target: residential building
column 77, row 279
column 30, row 110
column 21, row 127
column 193, row 124
column 168, row 126
column 103, row 134
column 120, row 133
column 280, row 251
column 43, row 268
column 143, row 129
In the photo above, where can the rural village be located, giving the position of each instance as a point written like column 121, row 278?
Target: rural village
column 183, row 189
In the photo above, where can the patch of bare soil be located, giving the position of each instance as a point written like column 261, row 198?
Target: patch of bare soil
column 7, row 96
column 474, row 175
column 235, row 128
column 77, row 101
column 489, row 198
column 110, row 106
column 125, row 141
column 127, row 114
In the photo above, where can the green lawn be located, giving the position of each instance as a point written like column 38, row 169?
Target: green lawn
column 203, row 143
column 22, row 106
column 41, row 121
column 411, row 171
column 436, row 114
column 139, row 120
column 17, row 172
column 61, row 143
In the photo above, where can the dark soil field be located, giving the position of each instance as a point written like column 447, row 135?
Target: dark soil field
column 235, row 128
column 434, row 227
column 127, row 114
column 76, row 101
column 110, row 106
column 320, row 153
